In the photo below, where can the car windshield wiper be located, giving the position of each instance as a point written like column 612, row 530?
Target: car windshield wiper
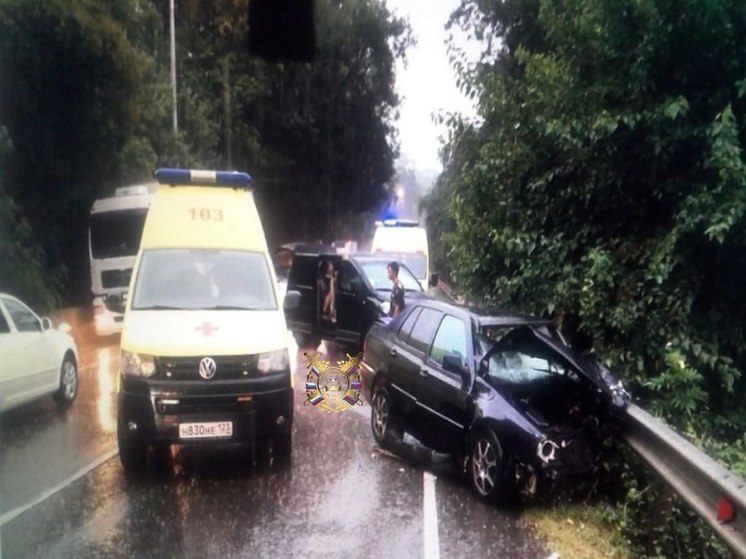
column 159, row 308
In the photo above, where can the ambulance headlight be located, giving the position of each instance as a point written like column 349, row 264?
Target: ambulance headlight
column 273, row 361
column 137, row 365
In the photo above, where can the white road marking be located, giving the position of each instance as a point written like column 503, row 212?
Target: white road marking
column 430, row 516
column 11, row 514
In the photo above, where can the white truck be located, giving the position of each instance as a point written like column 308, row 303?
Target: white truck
column 115, row 228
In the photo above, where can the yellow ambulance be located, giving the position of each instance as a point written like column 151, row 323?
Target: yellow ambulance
column 204, row 347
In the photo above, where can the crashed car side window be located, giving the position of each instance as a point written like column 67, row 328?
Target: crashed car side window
column 406, row 327
column 424, row 329
column 450, row 340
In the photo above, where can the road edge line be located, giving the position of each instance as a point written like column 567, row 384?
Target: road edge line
column 431, row 542
column 18, row 511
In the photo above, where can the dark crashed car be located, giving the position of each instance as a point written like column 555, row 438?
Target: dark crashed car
column 504, row 394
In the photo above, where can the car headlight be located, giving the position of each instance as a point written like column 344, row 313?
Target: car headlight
column 546, row 450
column 137, row 364
column 273, row 361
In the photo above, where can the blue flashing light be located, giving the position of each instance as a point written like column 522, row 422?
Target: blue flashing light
column 199, row 177
column 387, row 213
column 399, row 223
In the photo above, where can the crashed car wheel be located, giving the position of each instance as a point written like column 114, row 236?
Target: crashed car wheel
column 486, row 466
column 383, row 421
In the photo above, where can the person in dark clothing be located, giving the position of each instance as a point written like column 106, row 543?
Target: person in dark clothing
column 397, row 290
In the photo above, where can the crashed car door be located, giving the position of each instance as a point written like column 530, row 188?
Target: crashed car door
column 443, row 386
column 407, row 353
column 350, row 301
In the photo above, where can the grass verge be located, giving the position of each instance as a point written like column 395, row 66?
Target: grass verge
column 577, row 531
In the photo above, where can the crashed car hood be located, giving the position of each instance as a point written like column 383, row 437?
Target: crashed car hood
column 591, row 369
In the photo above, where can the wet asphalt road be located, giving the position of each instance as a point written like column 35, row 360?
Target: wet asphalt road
column 63, row 492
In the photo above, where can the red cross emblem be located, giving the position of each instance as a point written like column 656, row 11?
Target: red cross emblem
column 207, row 329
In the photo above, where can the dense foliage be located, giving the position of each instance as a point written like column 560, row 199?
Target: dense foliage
column 86, row 100
column 605, row 186
column 22, row 259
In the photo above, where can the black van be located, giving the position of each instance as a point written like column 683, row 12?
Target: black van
column 341, row 296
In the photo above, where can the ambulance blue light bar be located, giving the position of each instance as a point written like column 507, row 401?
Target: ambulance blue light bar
column 398, row 223
column 198, row 177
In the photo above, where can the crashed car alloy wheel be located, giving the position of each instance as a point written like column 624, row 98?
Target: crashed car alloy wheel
column 383, row 421
column 380, row 415
column 486, row 466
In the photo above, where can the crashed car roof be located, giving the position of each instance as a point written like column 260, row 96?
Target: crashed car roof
column 510, row 320
column 487, row 317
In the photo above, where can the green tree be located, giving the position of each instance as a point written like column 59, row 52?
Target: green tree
column 23, row 269
column 88, row 107
column 607, row 188
column 70, row 103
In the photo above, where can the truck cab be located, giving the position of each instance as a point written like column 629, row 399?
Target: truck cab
column 115, row 227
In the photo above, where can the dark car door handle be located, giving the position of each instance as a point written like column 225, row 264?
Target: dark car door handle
column 424, row 373
column 393, row 352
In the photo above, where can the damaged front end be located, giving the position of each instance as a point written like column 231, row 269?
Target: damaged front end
column 570, row 407
column 564, row 455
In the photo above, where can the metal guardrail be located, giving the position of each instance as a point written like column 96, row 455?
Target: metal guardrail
column 706, row 486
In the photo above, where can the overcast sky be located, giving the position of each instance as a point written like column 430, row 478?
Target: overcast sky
column 428, row 83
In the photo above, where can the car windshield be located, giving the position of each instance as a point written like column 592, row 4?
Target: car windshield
column 117, row 233
column 521, row 363
column 519, row 367
column 377, row 275
column 417, row 263
column 186, row 279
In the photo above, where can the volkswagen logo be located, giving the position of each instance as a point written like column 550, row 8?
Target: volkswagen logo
column 207, row 368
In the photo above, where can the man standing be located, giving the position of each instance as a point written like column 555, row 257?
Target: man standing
column 397, row 290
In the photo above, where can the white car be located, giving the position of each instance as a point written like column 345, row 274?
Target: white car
column 35, row 359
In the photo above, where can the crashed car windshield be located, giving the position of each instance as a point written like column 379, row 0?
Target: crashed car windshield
column 517, row 366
